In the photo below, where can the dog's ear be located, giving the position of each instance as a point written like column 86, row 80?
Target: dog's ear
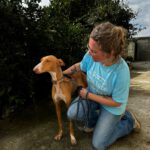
column 61, row 62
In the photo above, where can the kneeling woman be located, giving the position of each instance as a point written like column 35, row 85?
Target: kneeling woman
column 107, row 93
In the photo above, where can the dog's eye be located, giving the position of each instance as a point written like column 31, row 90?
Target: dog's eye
column 47, row 60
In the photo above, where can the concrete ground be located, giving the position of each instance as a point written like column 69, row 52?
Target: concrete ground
column 34, row 128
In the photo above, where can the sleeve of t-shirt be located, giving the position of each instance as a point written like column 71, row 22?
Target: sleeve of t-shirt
column 120, row 92
column 85, row 63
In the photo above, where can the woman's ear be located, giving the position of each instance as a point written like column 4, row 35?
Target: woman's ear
column 112, row 52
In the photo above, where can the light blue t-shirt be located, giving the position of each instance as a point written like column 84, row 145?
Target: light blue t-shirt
column 113, row 81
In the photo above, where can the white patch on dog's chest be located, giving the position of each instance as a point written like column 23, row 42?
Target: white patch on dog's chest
column 58, row 95
column 53, row 75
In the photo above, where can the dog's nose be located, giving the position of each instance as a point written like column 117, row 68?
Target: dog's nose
column 35, row 69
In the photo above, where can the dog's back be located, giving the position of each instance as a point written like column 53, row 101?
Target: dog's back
column 80, row 78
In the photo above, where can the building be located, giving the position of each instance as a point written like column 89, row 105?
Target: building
column 139, row 49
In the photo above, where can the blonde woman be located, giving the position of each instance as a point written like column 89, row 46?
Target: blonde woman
column 107, row 93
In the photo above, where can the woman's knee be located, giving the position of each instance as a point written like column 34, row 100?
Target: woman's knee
column 98, row 145
column 71, row 113
column 98, row 141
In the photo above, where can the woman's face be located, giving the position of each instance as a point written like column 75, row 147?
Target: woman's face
column 97, row 54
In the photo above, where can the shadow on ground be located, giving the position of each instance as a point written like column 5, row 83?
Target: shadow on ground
column 35, row 127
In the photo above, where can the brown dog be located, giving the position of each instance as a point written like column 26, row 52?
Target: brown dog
column 62, row 88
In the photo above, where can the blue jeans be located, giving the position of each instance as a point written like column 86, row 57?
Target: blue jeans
column 107, row 127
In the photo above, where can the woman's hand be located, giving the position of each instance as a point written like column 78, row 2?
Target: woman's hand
column 108, row 101
column 83, row 93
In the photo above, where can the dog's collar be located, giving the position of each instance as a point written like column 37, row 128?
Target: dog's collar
column 67, row 76
column 58, row 81
column 64, row 77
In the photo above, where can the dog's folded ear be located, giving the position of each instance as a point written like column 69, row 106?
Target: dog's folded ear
column 61, row 62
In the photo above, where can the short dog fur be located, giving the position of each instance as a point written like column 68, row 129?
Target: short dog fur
column 62, row 88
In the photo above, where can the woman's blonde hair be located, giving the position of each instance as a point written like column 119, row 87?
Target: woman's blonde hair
column 110, row 37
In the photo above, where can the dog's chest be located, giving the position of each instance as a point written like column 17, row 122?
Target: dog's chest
column 58, row 95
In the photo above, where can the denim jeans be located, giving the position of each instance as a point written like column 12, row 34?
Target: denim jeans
column 107, row 126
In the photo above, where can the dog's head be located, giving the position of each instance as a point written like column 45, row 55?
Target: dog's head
column 48, row 64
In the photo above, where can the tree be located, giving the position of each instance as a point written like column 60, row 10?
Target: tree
column 29, row 31
column 18, row 31
column 72, row 21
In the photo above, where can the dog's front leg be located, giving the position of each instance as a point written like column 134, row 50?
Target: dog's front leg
column 59, row 135
column 72, row 137
column 71, row 128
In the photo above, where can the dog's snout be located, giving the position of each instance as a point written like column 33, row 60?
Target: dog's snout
column 36, row 69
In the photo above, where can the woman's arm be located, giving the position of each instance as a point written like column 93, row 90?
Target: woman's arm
column 74, row 68
column 108, row 101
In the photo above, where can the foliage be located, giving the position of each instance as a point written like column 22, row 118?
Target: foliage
column 29, row 31
column 15, row 53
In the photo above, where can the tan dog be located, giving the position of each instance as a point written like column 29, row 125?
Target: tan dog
column 62, row 88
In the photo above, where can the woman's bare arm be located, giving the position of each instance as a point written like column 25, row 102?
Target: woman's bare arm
column 74, row 68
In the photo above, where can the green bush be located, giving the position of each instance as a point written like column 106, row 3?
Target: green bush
column 29, row 32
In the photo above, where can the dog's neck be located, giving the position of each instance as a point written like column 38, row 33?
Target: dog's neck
column 57, row 75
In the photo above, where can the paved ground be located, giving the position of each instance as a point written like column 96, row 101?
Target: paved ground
column 34, row 128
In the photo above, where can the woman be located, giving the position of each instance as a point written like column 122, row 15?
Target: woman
column 107, row 93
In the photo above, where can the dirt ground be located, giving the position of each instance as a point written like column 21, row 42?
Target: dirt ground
column 34, row 128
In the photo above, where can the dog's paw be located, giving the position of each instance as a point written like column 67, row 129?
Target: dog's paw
column 73, row 140
column 58, row 137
